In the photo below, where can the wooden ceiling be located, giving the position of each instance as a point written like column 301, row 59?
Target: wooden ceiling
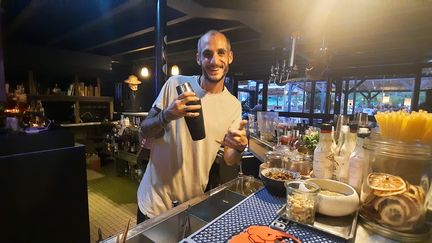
column 360, row 36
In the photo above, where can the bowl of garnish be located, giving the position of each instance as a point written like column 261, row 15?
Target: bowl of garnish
column 274, row 179
column 336, row 198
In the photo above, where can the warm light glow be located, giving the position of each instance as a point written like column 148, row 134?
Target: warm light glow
column 145, row 72
column 14, row 111
column 175, row 70
column 407, row 101
column 386, row 99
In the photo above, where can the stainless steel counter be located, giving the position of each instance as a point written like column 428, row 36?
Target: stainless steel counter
column 185, row 219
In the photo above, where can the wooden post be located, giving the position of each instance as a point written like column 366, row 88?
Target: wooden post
column 2, row 73
column 346, row 92
column 328, row 96
column 416, row 91
column 160, row 46
column 338, row 96
column 265, row 95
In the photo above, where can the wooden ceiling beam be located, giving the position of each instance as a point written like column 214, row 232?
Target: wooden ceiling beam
column 136, row 34
column 92, row 24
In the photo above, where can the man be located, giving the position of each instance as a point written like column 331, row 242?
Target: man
column 178, row 168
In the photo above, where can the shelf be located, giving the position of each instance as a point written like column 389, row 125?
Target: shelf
column 76, row 100
column 126, row 156
column 83, row 124
column 143, row 114
column 71, row 98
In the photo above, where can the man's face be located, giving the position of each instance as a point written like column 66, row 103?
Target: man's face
column 214, row 57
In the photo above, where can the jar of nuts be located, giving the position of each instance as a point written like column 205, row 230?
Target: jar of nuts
column 302, row 199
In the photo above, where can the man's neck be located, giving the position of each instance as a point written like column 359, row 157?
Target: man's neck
column 211, row 87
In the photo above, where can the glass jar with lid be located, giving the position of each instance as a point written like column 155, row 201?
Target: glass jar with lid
column 273, row 159
column 395, row 191
column 300, row 163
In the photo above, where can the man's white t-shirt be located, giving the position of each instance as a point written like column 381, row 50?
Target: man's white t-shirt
column 178, row 168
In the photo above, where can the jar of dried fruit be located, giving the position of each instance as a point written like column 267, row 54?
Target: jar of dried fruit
column 396, row 196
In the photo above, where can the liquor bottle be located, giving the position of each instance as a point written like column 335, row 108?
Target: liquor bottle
column 343, row 153
column 323, row 162
column 358, row 161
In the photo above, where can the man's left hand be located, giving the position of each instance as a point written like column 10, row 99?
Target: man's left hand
column 236, row 139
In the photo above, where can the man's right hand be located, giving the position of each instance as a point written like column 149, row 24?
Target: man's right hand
column 179, row 108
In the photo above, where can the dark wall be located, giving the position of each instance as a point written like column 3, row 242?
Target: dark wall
column 44, row 196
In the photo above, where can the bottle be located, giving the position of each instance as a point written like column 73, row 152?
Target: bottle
column 323, row 162
column 194, row 124
column 340, row 155
column 358, row 161
column 300, row 144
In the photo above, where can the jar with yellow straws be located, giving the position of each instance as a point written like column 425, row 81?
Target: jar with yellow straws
column 396, row 195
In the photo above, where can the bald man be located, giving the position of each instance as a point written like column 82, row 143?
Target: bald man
column 178, row 169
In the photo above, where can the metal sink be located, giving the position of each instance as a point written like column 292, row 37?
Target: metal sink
column 216, row 205
column 173, row 229
column 185, row 219
column 177, row 227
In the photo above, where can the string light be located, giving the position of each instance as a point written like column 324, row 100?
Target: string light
column 175, row 70
column 145, row 72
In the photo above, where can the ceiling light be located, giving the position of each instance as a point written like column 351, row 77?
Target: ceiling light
column 175, row 70
column 145, row 72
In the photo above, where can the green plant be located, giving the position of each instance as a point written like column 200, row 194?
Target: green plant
column 311, row 140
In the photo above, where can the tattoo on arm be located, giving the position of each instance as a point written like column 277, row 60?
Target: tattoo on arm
column 154, row 124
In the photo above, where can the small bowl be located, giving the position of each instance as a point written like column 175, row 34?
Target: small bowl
column 276, row 186
column 336, row 205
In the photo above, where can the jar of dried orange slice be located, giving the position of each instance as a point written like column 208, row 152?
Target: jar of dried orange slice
column 396, row 189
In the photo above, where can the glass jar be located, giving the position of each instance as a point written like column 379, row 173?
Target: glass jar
column 301, row 164
column 396, row 189
column 273, row 159
column 302, row 201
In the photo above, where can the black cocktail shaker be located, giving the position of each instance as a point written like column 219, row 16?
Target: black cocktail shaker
column 194, row 124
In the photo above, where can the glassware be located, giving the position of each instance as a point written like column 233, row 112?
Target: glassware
column 302, row 200
column 361, row 119
column 300, row 163
column 358, row 161
column 282, row 130
column 340, row 120
column 272, row 159
column 285, row 151
column 251, row 124
column 267, row 124
column 396, row 191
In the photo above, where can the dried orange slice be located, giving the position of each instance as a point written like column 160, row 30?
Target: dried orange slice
column 387, row 193
column 416, row 193
column 386, row 182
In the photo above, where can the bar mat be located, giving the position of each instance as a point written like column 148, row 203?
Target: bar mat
column 259, row 208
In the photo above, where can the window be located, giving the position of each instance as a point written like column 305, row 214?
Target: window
column 320, row 97
column 375, row 95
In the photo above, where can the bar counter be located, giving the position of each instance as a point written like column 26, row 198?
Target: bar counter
column 193, row 220
column 185, row 219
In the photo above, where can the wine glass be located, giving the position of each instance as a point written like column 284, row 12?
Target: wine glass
column 361, row 119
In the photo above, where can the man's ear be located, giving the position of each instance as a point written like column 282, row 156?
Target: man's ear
column 230, row 57
column 198, row 59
